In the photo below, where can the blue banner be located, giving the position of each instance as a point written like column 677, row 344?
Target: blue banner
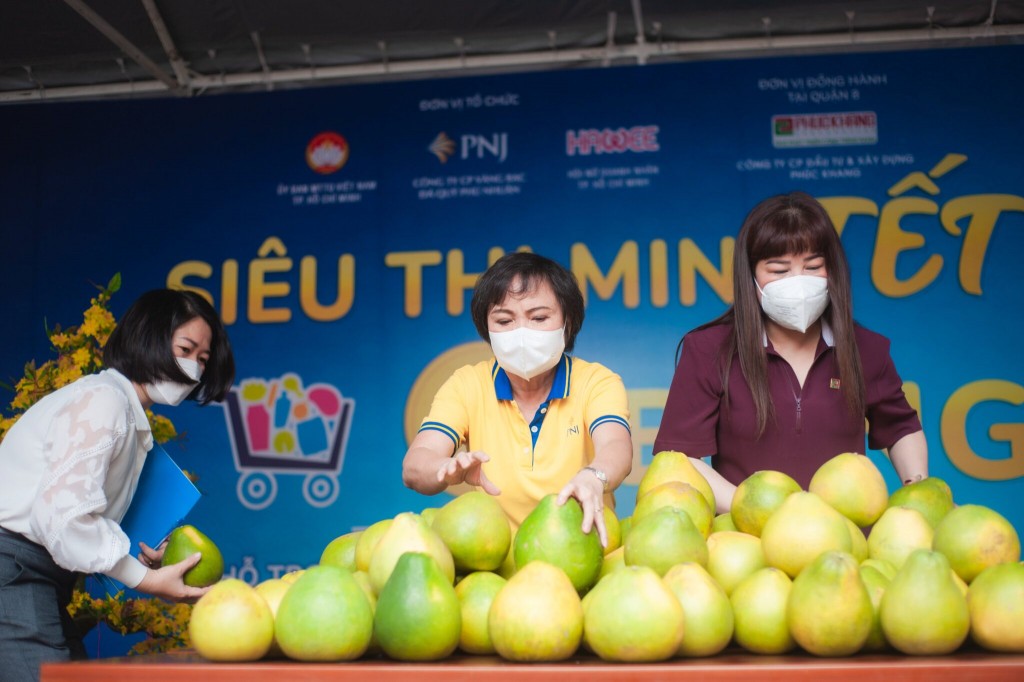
column 339, row 232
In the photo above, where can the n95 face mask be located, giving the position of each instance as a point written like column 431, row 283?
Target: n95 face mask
column 528, row 352
column 172, row 393
column 795, row 302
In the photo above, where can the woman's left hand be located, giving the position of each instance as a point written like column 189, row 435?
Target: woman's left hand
column 152, row 558
column 589, row 492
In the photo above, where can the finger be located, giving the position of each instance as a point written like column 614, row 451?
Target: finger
column 602, row 532
column 183, row 566
column 487, row 485
column 564, row 494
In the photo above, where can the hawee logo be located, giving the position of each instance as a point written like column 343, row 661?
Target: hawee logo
column 471, row 145
column 327, row 152
column 588, row 141
column 278, row 427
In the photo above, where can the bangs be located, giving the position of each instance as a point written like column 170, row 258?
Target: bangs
column 788, row 232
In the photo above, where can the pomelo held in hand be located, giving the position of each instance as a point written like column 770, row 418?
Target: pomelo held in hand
column 183, row 542
column 231, row 622
column 554, row 534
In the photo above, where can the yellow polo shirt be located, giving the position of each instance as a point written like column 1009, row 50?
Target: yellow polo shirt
column 529, row 460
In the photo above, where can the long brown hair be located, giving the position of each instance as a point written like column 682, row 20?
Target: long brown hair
column 780, row 225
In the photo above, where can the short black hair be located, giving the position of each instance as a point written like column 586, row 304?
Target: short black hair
column 140, row 346
column 495, row 284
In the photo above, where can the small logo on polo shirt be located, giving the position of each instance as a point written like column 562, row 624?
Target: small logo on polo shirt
column 573, row 430
column 834, row 383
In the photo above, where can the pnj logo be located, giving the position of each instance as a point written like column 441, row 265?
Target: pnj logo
column 588, row 141
column 278, row 427
column 327, row 152
column 494, row 146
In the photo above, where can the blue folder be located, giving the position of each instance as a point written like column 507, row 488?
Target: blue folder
column 163, row 498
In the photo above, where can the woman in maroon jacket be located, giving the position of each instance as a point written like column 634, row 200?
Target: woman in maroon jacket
column 785, row 379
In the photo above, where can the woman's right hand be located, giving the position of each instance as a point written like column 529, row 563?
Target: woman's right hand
column 466, row 467
column 168, row 582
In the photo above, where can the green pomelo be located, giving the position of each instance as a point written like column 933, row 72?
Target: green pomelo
column 923, row 612
column 829, row 611
column 418, row 615
column 759, row 609
column 183, row 542
column 757, row 497
column 995, row 601
column 707, row 612
column 476, row 593
column 974, row 537
column 341, row 551
column 663, row 539
column 553, row 533
column 324, row 616
column 476, row 530
column 633, row 616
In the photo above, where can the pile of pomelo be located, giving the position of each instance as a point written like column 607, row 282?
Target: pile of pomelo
column 785, row 570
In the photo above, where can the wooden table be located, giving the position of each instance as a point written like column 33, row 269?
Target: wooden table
column 973, row 666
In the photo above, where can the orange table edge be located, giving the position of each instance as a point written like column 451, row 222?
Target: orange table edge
column 971, row 666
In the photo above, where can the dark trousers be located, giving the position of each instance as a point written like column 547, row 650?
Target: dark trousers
column 35, row 626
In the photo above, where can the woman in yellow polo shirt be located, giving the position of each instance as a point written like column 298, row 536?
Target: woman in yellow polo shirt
column 534, row 420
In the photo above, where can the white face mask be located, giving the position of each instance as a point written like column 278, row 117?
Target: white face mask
column 528, row 352
column 795, row 302
column 172, row 393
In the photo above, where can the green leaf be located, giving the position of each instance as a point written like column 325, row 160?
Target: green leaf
column 114, row 285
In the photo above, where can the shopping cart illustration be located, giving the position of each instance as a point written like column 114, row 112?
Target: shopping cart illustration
column 280, row 427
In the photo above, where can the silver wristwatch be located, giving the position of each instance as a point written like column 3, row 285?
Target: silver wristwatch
column 601, row 476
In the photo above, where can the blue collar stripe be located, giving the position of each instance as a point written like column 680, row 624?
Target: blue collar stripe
column 559, row 387
column 606, row 419
column 443, row 428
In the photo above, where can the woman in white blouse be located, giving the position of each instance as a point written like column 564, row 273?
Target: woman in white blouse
column 69, row 467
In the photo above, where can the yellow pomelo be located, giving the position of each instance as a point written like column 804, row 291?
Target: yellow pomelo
column 995, row 601
column 418, row 616
column 231, row 622
column 537, row 615
column 723, row 522
column 183, row 542
column 291, row 576
column 707, row 612
column 367, row 542
column 732, row 556
column 476, row 593
column 875, row 582
column 324, row 616
column 341, row 551
column 851, row 483
column 923, row 612
column 829, row 612
column 974, row 537
column 681, row 496
column 900, row 531
column 858, row 543
column 757, row 497
column 612, row 529
column 273, row 591
column 613, row 560
column 759, row 610
column 632, row 615
column 670, row 465
column 930, row 496
column 800, row 529
column 408, row 533
column 664, row 538
column 882, row 566
column 476, row 530
column 553, row 533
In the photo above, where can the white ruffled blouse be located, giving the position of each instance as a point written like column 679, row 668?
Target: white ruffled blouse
column 68, row 470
